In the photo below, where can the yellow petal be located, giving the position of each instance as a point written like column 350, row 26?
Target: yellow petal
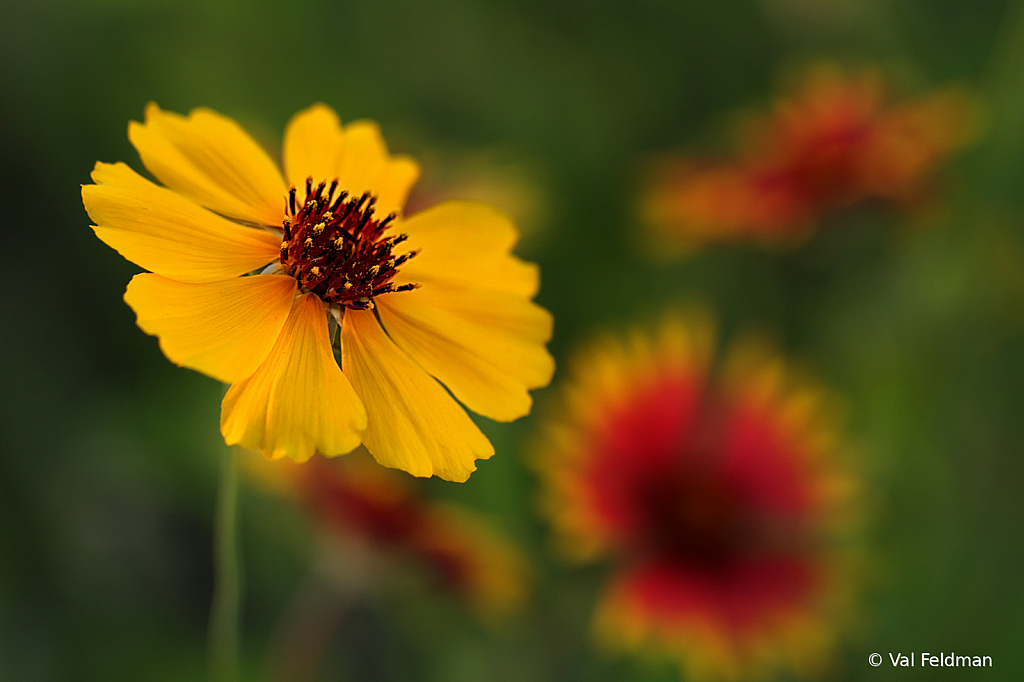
column 486, row 346
column 298, row 402
column 366, row 166
column 414, row 424
column 164, row 232
column 213, row 161
column 223, row 329
column 316, row 145
column 394, row 183
column 469, row 243
column 312, row 146
column 363, row 157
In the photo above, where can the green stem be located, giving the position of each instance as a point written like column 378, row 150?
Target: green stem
column 227, row 586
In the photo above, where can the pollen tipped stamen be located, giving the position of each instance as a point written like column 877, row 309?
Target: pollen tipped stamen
column 367, row 215
column 350, row 207
column 405, row 257
column 338, row 202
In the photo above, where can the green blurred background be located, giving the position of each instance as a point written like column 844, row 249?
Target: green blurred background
column 109, row 454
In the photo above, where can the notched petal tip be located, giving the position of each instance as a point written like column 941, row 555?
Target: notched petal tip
column 486, row 346
column 414, row 425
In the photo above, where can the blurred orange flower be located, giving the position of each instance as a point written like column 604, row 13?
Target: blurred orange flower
column 721, row 500
column 836, row 140
column 382, row 513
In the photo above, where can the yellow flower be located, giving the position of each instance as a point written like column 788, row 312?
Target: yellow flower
column 437, row 295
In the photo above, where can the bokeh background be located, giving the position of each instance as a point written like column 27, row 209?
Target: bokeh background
column 109, row 454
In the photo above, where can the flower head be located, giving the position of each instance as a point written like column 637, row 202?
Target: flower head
column 260, row 280
column 837, row 140
column 394, row 523
column 720, row 501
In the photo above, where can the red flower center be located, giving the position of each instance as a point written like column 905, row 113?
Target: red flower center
column 694, row 480
column 693, row 516
column 335, row 246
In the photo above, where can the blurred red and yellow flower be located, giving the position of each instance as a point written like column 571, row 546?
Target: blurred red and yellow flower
column 836, row 140
column 390, row 519
column 406, row 302
column 720, row 499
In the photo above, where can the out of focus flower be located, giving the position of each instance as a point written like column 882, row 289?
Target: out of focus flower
column 406, row 302
column 838, row 139
column 383, row 515
column 720, row 500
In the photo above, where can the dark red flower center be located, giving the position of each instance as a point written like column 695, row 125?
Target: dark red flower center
column 335, row 247
column 693, row 516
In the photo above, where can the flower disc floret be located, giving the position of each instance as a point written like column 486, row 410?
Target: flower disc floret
column 335, row 246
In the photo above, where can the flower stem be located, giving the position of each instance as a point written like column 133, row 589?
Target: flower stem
column 227, row 587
